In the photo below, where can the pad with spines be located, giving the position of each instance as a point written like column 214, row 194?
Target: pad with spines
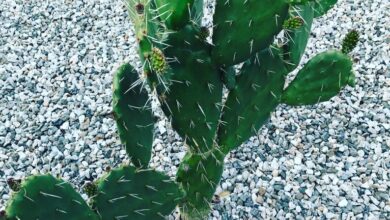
column 194, row 114
column 298, row 38
column 199, row 176
column 174, row 13
column 130, row 194
column 45, row 197
column 256, row 95
column 320, row 79
column 243, row 28
column 133, row 115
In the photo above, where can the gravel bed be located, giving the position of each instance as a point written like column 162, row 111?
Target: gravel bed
column 328, row 161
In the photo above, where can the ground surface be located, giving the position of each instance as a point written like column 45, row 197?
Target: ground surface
column 327, row 161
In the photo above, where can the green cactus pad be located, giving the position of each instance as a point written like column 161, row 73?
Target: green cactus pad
column 323, row 6
column 320, row 79
column 133, row 115
column 194, row 113
column 188, row 38
column 256, row 95
column 242, row 28
column 45, row 197
column 174, row 13
column 199, row 176
column 130, row 194
column 298, row 38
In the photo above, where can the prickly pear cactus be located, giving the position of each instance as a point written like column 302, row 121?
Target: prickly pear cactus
column 188, row 75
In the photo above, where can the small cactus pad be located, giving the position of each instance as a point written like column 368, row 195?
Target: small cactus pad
column 249, row 105
column 174, row 13
column 350, row 41
column 243, row 28
column 195, row 94
column 320, row 79
column 323, row 6
column 45, row 198
column 133, row 115
column 298, row 38
column 199, row 176
column 130, row 194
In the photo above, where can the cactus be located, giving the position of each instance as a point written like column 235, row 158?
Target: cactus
column 188, row 74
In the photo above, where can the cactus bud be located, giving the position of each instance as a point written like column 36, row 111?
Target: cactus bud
column 90, row 189
column 293, row 23
column 157, row 61
column 350, row 41
column 14, row 184
column 140, row 8
column 204, row 33
column 3, row 215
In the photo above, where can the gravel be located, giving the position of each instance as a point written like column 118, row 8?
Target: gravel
column 328, row 161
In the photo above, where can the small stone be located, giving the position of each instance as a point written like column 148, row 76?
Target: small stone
column 343, row 203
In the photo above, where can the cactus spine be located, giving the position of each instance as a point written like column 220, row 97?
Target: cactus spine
column 188, row 75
